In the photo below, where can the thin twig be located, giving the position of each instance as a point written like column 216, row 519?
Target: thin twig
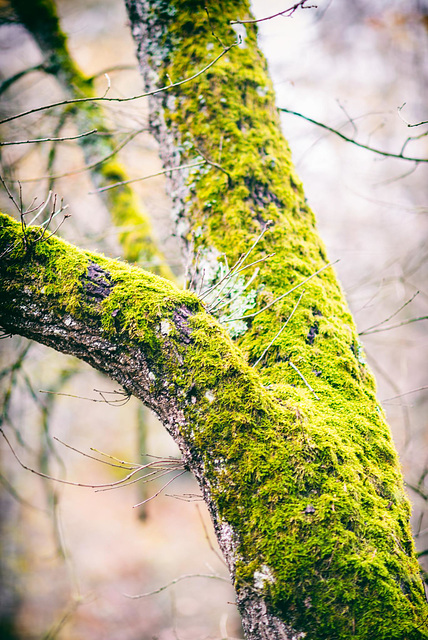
column 215, row 165
column 387, row 154
column 160, row 490
column 378, row 324
column 293, row 366
column 61, row 139
column 48, row 477
column 10, row 195
column 103, row 98
column 280, row 331
column 217, row 306
column 152, row 175
column 169, row 584
column 90, row 166
column 236, row 267
column 408, row 124
column 208, row 539
column 394, row 326
column 406, row 393
column 148, row 477
column 128, row 466
column 41, row 208
column 113, row 403
column 287, row 13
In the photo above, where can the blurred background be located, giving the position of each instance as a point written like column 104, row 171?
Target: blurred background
column 68, row 553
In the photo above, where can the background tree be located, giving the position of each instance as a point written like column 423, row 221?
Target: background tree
column 266, row 236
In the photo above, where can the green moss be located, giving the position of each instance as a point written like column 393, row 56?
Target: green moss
column 311, row 487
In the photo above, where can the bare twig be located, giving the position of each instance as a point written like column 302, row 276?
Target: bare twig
column 152, row 175
column 280, row 331
column 90, row 166
column 114, row 403
column 208, row 539
column 293, row 366
column 10, row 195
column 237, row 266
column 186, row 576
column 128, row 466
column 103, row 98
column 215, row 165
column 61, row 139
column 286, row 13
column 378, row 324
column 395, row 326
column 406, row 393
column 139, row 504
column 387, row 154
column 408, row 124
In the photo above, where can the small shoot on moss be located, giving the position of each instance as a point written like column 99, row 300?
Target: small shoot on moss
column 38, row 209
column 280, row 331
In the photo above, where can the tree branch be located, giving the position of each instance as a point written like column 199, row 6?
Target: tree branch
column 386, row 154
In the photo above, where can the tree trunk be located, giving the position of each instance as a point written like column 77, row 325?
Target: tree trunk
column 293, row 455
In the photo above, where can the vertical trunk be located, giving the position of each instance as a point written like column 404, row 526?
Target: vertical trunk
column 317, row 511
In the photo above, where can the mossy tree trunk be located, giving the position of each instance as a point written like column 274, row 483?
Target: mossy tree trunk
column 291, row 451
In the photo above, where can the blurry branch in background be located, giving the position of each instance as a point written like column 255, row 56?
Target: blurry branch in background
column 87, row 167
column 386, row 154
column 393, row 326
column 419, row 487
column 287, row 13
column 123, row 399
column 186, row 576
column 44, row 66
column 37, row 140
column 378, row 324
column 406, row 393
column 47, row 451
column 40, row 18
column 152, row 175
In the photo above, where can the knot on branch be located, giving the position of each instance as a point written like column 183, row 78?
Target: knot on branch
column 181, row 320
column 97, row 283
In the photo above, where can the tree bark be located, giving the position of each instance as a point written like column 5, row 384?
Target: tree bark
column 293, row 455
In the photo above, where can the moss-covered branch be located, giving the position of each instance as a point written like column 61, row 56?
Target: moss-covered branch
column 135, row 232
column 311, row 517
column 327, row 525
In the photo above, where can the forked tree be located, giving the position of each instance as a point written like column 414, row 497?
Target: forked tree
column 255, row 369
